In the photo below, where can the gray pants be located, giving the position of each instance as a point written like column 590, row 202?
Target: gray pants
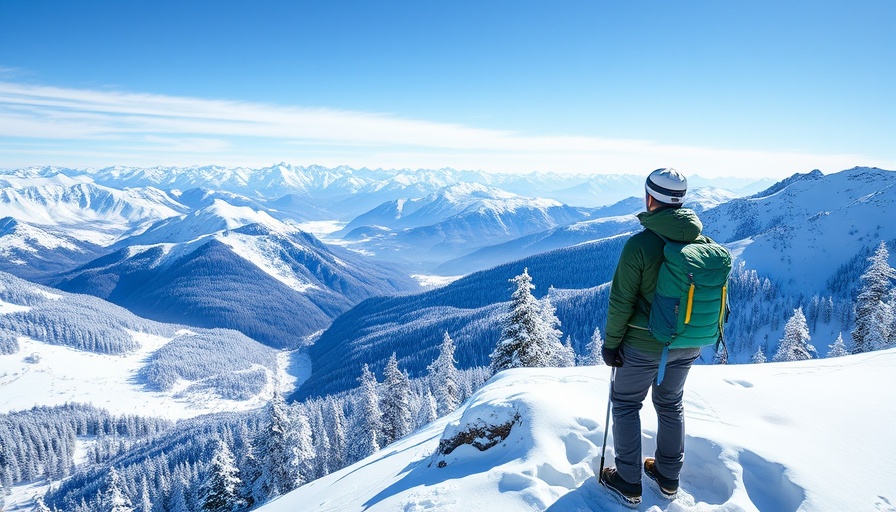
column 634, row 378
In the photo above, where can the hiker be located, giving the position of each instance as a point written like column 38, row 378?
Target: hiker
column 632, row 346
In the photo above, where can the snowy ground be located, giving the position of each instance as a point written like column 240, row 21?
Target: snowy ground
column 44, row 374
column 814, row 435
column 62, row 375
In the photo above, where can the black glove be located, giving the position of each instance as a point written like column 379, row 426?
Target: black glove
column 611, row 357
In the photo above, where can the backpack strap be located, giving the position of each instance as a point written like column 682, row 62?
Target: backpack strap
column 662, row 368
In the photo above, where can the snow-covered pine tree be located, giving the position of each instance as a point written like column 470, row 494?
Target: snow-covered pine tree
column 39, row 505
column 250, row 470
column 530, row 337
column 219, row 491
column 444, row 378
column 592, row 355
column 368, row 419
column 177, row 501
column 303, row 447
column 795, row 346
column 145, row 500
column 114, row 500
column 429, row 410
column 838, row 349
column 275, row 452
column 758, row 356
column 874, row 316
column 720, row 356
column 567, row 354
column 551, row 340
column 395, row 403
column 337, row 434
column 322, row 463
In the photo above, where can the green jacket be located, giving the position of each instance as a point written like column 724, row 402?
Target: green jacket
column 634, row 282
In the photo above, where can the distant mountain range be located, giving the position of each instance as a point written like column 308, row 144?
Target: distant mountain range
column 274, row 283
column 800, row 234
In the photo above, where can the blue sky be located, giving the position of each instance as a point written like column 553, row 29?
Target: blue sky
column 764, row 88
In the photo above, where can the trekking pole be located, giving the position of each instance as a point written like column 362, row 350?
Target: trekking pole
column 603, row 451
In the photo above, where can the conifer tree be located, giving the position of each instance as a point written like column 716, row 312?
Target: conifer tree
column 529, row 337
column 758, row 356
column 395, row 403
column 720, row 356
column 114, row 500
column 338, row 442
column 429, row 410
column 567, row 354
column 177, row 501
column 250, row 469
column 795, row 346
column 303, row 449
column 592, row 350
column 39, row 505
column 322, row 449
column 550, row 339
column 145, row 500
column 278, row 472
column 444, row 378
column 219, row 492
column 874, row 315
column 838, row 349
column 368, row 423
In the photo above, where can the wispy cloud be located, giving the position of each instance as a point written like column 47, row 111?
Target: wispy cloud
column 109, row 127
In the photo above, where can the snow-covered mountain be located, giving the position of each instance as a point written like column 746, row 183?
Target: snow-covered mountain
column 61, row 348
column 452, row 201
column 757, row 439
column 470, row 307
column 453, row 222
column 32, row 252
column 218, row 216
column 85, row 209
column 274, row 283
column 544, row 241
column 803, row 229
column 605, row 221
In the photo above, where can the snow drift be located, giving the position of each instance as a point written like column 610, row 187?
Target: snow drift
column 812, row 435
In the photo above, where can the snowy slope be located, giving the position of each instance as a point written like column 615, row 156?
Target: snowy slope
column 45, row 368
column 270, row 281
column 784, row 436
column 555, row 238
column 64, row 375
column 216, row 217
column 30, row 251
column 803, row 229
column 85, row 209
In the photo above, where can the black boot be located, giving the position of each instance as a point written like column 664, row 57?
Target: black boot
column 668, row 486
column 630, row 494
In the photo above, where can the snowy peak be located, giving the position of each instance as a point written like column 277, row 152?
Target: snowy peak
column 786, row 182
column 19, row 236
column 705, row 198
column 804, row 228
column 31, row 252
column 218, row 216
column 451, row 201
column 76, row 202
